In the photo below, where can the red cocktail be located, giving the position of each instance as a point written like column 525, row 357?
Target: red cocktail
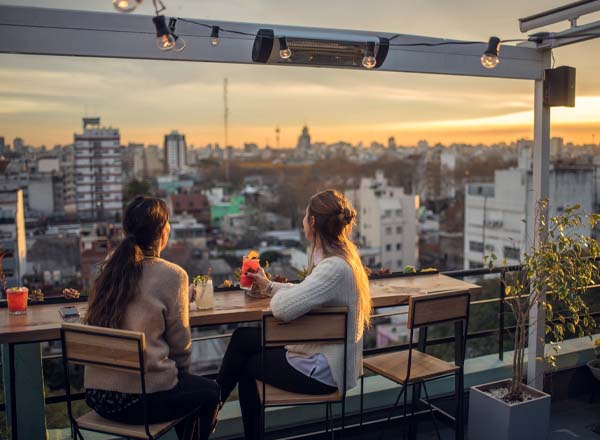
column 248, row 265
column 16, row 297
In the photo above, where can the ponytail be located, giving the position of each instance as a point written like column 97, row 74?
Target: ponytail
column 116, row 285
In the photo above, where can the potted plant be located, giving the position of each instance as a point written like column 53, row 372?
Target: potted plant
column 594, row 364
column 559, row 266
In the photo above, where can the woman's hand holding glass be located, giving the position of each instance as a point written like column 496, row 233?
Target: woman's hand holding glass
column 259, row 278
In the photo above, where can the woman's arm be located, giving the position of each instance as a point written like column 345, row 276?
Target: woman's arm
column 317, row 289
column 178, row 323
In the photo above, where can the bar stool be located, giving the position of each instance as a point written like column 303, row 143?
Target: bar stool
column 413, row 367
column 320, row 326
column 115, row 350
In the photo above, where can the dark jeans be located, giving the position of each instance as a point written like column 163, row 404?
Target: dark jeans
column 193, row 395
column 242, row 366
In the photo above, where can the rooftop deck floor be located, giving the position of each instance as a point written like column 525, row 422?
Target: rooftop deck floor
column 571, row 419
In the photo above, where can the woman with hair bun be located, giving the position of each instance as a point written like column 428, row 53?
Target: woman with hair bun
column 337, row 278
column 137, row 290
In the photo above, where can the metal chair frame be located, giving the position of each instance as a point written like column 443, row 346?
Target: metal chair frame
column 76, row 431
column 328, row 409
column 460, row 335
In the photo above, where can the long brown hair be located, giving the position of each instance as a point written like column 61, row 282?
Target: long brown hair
column 117, row 283
column 334, row 218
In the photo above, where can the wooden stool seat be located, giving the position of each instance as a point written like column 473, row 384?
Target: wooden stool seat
column 94, row 422
column 394, row 365
column 277, row 396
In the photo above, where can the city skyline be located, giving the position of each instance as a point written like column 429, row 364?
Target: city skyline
column 45, row 97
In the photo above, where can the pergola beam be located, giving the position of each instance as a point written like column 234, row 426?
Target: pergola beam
column 44, row 31
column 573, row 35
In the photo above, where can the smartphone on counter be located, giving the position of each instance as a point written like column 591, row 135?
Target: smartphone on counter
column 68, row 312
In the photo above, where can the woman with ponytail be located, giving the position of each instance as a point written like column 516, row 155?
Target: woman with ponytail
column 337, row 278
column 137, row 290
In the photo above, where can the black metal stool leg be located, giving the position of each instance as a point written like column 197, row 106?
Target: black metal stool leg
column 362, row 406
column 402, row 392
column 343, row 418
column 331, row 419
column 405, row 425
column 437, row 431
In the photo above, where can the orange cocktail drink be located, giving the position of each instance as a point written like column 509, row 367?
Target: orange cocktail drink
column 16, row 297
column 248, row 265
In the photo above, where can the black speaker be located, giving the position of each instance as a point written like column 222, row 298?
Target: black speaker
column 559, row 87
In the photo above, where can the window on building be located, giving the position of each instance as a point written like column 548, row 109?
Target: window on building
column 364, row 210
column 387, row 213
column 398, row 229
column 398, row 246
column 489, row 248
column 388, row 247
column 476, row 246
column 371, row 261
column 511, row 253
column 398, row 212
column 475, row 264
column 388, row 230
column 399, row 263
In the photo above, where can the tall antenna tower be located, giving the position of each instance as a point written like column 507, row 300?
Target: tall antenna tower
column 226, row 128
column 277, row 131
column 225, row 113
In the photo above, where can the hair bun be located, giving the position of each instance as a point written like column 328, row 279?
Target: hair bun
column 346, row 216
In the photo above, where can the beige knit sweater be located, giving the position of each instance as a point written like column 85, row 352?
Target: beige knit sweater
column 161, row 311
column 331, row 283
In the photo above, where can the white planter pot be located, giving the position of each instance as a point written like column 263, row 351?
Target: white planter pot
column 594, row 366
column 493, row 419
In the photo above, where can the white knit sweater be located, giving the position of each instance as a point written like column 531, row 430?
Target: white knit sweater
column 331, row 283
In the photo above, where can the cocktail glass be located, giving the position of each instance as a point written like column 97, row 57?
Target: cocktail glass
column 17, row 300
column 248, row 265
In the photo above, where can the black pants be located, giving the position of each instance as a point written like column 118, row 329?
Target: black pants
column 193, row 395
column 242, row 366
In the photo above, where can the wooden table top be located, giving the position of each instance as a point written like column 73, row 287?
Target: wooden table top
column 42, row 322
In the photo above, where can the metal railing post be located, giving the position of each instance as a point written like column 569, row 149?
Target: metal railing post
column 501, row 328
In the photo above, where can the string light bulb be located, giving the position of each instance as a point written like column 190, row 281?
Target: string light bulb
column 126, row 5
column 164, row 38
column 214, row 36
column 369, row 61
column 179, row 42
column 490, row 58
column 284, row 51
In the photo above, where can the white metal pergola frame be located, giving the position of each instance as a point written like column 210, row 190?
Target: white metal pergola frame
column 42, row 31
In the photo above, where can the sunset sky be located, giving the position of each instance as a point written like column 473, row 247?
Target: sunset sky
column 44, row 98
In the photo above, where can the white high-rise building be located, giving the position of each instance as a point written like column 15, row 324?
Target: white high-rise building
column 497, row 214
column 12, row 236
column 98, row 171
column 175, row 152
column 387, row 224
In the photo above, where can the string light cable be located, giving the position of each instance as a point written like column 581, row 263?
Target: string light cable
column 168, row 39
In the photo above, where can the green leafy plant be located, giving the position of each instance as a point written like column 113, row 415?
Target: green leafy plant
column 597, row 348
column 303, row 273
column 560, row 266
column 202, row 279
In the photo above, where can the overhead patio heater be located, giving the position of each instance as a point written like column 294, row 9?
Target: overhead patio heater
column 319, row 49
